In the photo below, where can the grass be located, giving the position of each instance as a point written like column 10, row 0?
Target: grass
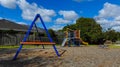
column 110, row 46
column 24, row 46
column 8, row 46
column 114, row 46
column 40, row 46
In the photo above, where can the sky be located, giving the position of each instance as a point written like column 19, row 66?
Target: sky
column 58, row 13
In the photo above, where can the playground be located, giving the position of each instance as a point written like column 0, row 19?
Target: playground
column 59, row 33
column 91, row 56
column 73, row 52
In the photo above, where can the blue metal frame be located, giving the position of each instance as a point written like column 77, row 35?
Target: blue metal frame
column 51, row 40
column 28, row 32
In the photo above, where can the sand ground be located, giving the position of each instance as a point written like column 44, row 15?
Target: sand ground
column 91, row 56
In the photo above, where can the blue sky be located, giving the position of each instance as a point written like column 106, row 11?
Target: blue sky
column 58, row 13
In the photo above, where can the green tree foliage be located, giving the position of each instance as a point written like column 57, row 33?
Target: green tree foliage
column 90, row 30
column 118, row 33
column 53, row 35
column 72, row 26
column 111, row 35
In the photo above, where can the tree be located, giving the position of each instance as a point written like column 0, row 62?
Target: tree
column 91, row 31
column 53, row 35
column 111, row 35
column 118, row 34
column 72, row 26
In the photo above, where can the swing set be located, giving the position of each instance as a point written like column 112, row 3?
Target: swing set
column 25, row 42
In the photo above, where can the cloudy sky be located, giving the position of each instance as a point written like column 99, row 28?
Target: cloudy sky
column 58, row 13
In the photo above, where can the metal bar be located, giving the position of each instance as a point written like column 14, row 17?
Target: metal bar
column 49, row 36
column 25, row 38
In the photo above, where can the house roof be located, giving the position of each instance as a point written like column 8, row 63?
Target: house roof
column 10, row 25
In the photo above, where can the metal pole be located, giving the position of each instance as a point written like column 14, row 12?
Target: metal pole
column 49, row 36
column 25, row 38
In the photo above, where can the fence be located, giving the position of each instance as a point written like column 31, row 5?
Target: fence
column 15, row 39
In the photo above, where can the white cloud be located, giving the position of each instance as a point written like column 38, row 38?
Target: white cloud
column 109, row 16
column 117, row 28
column 62, row 21
column 109, row 10
column 68, row 15
column 8, row 3
column 57, row 27
column 30, row 10
column 117, row 18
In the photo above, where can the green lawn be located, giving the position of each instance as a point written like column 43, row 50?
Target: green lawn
column 114, row 46
column 110, row 46
column 24, row 46
column 40, row 46
column 8, row 46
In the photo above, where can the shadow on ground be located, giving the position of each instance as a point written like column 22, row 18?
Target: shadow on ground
column 30, row 62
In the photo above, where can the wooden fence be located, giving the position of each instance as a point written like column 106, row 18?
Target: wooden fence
column 15, row 39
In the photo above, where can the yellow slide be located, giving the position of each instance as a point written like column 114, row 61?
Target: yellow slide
column 83, row 42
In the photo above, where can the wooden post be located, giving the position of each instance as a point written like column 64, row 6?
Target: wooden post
column 77, row 33
column 66, row 34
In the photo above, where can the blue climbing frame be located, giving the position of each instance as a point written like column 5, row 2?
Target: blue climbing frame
column 27, row 35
